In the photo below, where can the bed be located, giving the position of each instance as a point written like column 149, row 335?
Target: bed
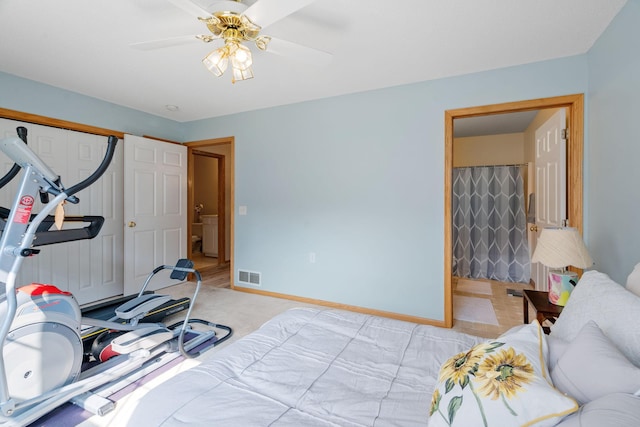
column 314, row 367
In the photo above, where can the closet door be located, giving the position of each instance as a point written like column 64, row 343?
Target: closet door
column 90, row 269
column 155, row 177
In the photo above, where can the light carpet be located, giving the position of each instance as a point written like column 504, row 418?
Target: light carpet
column 476, row 310
column 470, row 286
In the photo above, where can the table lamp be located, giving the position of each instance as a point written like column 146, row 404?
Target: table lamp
column 558, row 248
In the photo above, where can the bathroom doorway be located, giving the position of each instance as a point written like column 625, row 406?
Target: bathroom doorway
column 210, row 205
column 574, row 105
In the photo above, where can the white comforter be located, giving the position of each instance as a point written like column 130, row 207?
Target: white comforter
column 309, row 367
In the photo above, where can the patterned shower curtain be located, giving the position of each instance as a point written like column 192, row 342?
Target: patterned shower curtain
column 489, row 224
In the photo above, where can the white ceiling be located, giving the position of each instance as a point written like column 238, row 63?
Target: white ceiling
column 84, row 46
column 496, row 124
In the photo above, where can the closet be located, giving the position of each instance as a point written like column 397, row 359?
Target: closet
column 116, row 261
column 91, row 269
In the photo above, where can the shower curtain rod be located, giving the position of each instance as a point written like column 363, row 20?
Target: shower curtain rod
column 484, row 166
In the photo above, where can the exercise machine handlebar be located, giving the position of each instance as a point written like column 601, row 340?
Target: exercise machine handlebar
column 23, row 156
column 22, row 133
column 111, row 149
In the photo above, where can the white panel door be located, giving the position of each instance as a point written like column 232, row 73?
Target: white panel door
column 155, row 200
column 96, row 265
column 551, row 183
column 90, row 269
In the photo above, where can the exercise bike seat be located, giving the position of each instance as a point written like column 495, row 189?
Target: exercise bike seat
column 140, row 306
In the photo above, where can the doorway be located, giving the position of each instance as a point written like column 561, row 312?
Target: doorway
column 574, row 105
column 210, row 204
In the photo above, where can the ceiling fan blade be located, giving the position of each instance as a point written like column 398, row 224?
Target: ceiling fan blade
column 191, row 8
column 227, row 6
column 266, row 12
column 162, row 43
column 299, row 52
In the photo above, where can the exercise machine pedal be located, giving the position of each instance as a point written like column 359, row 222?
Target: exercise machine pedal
column 146, row 337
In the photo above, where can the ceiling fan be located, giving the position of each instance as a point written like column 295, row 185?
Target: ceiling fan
column 234, row 23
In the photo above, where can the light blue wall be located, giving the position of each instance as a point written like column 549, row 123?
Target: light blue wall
column 613, row 155
column 36, row 98
column 359, row 180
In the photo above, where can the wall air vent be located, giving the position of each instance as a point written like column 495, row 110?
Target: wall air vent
column 250, row 277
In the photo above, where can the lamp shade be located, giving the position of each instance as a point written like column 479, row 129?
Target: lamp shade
column 217, row 61
column 561, row 247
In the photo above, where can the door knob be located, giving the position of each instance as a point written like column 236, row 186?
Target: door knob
column 131, row 224
column 533, row 228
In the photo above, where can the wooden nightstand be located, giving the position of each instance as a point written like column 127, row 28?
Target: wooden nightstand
column 540, row 302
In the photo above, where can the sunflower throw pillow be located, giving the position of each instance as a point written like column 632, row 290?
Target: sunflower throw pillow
column 500, row 383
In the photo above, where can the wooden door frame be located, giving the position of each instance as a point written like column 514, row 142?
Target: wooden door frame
column 21, row 116
column 196, row 148
column 575, row 155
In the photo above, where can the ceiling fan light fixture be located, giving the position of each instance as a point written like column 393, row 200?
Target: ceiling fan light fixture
column 245, row 74
column 262, row 42
column 217, row 61
column 236, row 25
column 241, row 58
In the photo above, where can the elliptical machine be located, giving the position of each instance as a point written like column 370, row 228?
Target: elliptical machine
column 42, row 348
